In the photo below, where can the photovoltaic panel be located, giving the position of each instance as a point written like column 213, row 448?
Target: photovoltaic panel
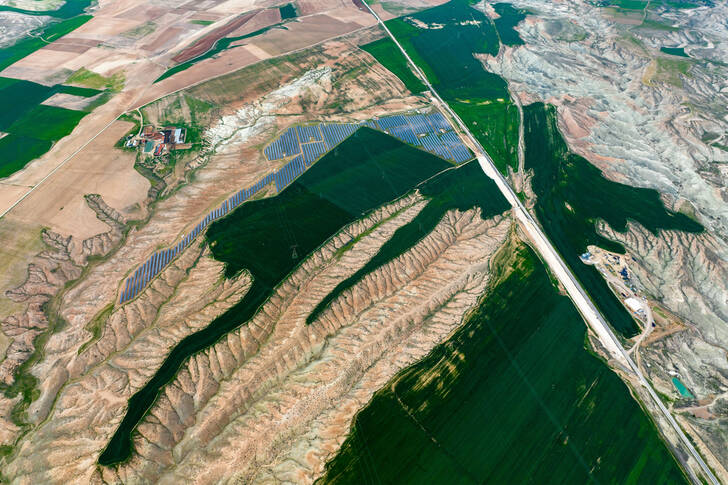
column 289, row 139
column 312, row 151
column 438, row 121
column 388, row 122
column 430, row 142
column 450, row 138
column 405, row 134
column 419, row 124
column 443, row 152
column 461, row 153
column 309, row 133
column 289, row 143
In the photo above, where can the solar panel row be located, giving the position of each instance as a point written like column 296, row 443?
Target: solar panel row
column 312, row 151
column 308, row 133
column 289, row 172
column 419, row 124
column 285, row 146
column 438, row 121
column 157, row 262
column 335, row 134
column 405, row 134
column 388, row 122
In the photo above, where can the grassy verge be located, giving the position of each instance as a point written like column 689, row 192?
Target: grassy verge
column 388, row 55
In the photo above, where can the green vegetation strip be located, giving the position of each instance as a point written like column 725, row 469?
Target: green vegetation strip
column 572, row 194
column 392, row 58
column 461, row 188
column 270, row 237
column 446, row 56
column 512, row 397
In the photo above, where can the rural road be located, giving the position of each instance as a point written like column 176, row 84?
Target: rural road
column 553, row 259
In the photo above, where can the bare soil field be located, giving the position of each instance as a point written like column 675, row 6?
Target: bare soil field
column 59, row 203
column 263, row 18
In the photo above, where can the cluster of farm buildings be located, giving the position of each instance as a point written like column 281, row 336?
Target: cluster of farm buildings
column 159, row 142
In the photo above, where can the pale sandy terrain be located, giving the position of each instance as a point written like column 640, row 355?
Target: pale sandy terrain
column 429, row 288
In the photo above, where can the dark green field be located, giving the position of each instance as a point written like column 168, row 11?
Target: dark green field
column 512, row 397
column 460, row 188
column 16, row 151
column 31, row 126
column 288, row 11
column 47, row 122
column 562, row 178
column 509, row 18
column 674, row 51
column 445, row 54
column 270, row 237
column 391, row 57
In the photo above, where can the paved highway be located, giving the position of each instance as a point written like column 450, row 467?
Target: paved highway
column 583, row 303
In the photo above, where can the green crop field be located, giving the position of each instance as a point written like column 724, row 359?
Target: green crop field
column 16, row 151
column 390, row 57
column 47, row 122
column 572, row 194
column 505, row 24
column 512, row 397
column 31, row 126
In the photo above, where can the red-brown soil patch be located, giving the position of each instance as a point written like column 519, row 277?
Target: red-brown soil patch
column 205, row 44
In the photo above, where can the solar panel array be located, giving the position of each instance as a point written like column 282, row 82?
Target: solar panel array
column 431, row 132
column 285, row 146
column 156, row 263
